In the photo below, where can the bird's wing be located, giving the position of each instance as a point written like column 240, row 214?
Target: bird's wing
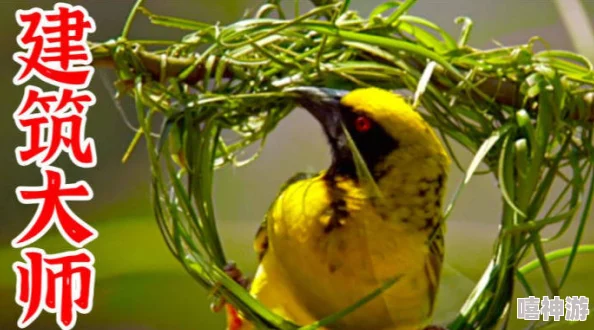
column 261, row 240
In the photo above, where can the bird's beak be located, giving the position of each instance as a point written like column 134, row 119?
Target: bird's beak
column 323, row 104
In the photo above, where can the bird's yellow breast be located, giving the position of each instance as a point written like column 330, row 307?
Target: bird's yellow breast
column 330, row 266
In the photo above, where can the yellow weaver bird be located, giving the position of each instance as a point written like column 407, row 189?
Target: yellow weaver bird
column 329, row 241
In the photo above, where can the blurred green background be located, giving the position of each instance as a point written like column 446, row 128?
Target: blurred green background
column 139, row 284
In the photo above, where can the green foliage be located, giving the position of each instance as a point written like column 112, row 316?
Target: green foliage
column 527, row 115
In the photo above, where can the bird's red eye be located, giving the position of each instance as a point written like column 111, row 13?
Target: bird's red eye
column 362, row 124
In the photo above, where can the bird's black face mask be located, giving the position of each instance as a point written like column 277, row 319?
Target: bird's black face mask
column 372, row 141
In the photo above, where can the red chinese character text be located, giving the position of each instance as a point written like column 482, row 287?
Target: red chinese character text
column 56, row 45
column 52, row 197
column 60, row 283
column 58, row 125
